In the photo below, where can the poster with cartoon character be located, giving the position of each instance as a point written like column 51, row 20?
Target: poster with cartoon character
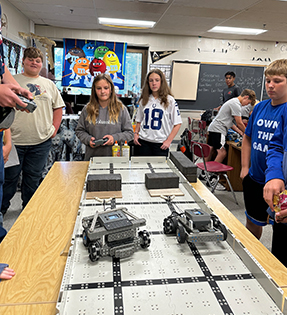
column 85, row 59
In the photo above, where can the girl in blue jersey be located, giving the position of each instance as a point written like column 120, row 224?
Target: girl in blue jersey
column 158, row 118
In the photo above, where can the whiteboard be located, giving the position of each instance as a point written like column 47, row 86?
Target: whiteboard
column 184, row 80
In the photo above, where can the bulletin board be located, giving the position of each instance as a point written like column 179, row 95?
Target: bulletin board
column 165, row 69
column 13, row 53
column 184, row 80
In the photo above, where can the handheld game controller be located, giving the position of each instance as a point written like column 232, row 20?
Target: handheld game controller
column 31, row 105
column 99, row 142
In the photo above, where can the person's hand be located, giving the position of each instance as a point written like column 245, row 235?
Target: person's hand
column 281, row 216
column 244, row 172
column 271, row 188
column 29, row 96
column 136, row 139
column 6, row 151
column 25, row 93
column 54, row 134
column 110, row 141
column 92, row 145
column 9, row 97
column 166, row 144
column 7, row 274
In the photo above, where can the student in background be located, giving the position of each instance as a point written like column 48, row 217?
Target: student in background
column 103, row 117
column 224, row 120
column 262, row 124
column 64, row 92
column 32, row 133
column 158, row 118
column 231, row 91
column 246, row 112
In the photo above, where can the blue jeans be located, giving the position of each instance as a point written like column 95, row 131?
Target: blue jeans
column 32, row 159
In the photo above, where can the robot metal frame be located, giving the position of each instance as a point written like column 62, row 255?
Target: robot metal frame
column 195, row 225
column 114, row 233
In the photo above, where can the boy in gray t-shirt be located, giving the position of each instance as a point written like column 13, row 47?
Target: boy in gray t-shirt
column 224, row 120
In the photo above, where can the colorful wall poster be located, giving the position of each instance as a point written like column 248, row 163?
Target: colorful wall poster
column 85, row 59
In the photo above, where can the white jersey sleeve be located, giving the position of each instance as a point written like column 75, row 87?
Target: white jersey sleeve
column 175, row 114
column 140, row 113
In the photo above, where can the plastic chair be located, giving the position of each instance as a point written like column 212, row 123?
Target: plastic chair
column 198, row 130
column 202, row 131
column 195, row 129
column 189, row 123
column 202, row 150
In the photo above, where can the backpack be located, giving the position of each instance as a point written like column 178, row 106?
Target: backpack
column 207, row 116
column 184, row 144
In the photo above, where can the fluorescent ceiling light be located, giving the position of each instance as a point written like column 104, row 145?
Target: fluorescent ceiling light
column 126, row 23
column 237, row 30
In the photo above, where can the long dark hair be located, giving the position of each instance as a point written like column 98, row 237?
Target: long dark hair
column 114, row 106
column 163, row 91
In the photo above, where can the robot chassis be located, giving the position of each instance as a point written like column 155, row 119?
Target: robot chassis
column 195, row 225
column 113, row 233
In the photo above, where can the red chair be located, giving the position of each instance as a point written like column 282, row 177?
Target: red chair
column 202, row 150
column 202, row 131
column 189, row 123
column 198, row 130
column 195, row 129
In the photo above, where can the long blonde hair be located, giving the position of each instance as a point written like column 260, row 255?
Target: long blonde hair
column 93, row 107
column 163, row 91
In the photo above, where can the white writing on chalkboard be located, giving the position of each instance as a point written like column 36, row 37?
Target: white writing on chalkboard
column 215, row 84
column 211, row 83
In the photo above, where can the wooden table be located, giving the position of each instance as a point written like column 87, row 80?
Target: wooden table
column 234, row 160
column 33, row 245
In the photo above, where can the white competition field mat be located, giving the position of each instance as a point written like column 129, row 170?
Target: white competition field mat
column 167, row 278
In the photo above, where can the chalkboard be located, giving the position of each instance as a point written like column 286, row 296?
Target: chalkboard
column 212, row 82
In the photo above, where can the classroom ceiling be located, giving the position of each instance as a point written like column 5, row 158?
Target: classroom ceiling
column 173, row 17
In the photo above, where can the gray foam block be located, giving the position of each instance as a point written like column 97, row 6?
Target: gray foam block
column 161, row 180
column 185, row 165
column 104, row 182
column 191, row 178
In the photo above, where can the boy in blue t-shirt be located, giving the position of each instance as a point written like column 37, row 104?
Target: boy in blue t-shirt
column 276, row 179
column 262, row 124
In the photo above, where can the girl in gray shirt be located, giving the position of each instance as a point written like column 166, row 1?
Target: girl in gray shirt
column 103, row 117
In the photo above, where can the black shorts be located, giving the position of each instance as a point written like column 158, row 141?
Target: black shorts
column 151, row 149
column 216, row 140
column 279, row 234
column 255, row 204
